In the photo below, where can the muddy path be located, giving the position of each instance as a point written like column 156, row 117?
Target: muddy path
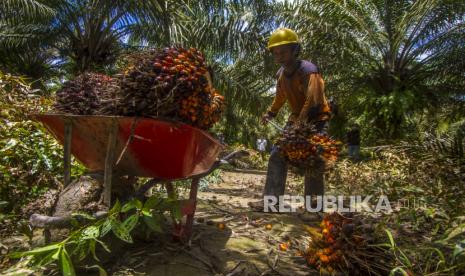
column 228, row 238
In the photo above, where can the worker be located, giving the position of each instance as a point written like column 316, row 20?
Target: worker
column 299, row 83
column 353, row 142
column 261, row 146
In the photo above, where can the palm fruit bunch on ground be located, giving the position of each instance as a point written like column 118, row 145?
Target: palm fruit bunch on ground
column 84, row 95
column 346, row 243
column 302, row 146
column 171, row 82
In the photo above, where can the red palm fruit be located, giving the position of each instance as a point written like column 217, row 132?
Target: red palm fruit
column 169, row 59
column 157, row 65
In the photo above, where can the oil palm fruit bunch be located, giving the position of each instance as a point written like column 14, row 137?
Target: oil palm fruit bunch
column 202, row 108
column 302, row 146
column 170, row 82
column 326, row 147
column 84, row 95
column 346, row 243
column 294, row 146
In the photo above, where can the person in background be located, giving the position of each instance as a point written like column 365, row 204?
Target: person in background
column 261, row 146
column 353, row 142
column 221, row 139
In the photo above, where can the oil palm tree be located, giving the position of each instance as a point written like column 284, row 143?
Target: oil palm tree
column 389, row 56
column 83, row 34
column 24, row 25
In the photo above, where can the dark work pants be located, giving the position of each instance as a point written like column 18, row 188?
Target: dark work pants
column 277, row 173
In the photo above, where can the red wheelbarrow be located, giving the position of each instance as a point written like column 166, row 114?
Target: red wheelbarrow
column 159, row 149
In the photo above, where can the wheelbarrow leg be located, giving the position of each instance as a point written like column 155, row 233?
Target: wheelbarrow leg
column 109, row 162
column 67, row 152
column 68, row 124
column 193, row 201
column 182, row 231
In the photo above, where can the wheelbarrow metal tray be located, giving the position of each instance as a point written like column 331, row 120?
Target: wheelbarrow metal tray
column 144, row 147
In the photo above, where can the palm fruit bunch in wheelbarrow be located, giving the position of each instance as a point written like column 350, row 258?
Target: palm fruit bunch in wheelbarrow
column 302, row 146
column 346, row 243
column 85, row 95
column 171, row 82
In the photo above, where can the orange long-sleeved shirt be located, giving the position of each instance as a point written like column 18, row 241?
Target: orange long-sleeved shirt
column 304, row 90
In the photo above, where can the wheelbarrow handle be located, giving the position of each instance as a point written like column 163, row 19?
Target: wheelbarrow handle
column 234, row 155
column 275, row 125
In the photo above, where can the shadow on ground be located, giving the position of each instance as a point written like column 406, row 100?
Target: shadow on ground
column 249, row 243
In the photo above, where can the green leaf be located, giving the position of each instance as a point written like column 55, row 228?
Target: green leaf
column 398, row 269
column 66, row 265
column 92, row 250
column 153, row 222
column 439, row 252
column 176, row 210
column 48, row 259
column 458, row 249
column 455, row 232
column 131, row 222
column 152, row 202
column 36, row 251
column 135, row 203
column 74, row 222
column 115, row 209
column 106, row 227
column 90, row 232
column 121, row 232
column 56, row 256
column 405, row 258
column 101, row 271
column 82, row 249
column 103, row 245
column 391, row 239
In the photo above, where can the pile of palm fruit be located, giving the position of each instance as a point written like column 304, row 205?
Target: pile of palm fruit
column 165, row 83
column 346, row 243
column 84, row 95
column 302, row 146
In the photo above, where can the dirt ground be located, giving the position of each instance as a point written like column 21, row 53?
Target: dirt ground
column 246, row 246
column 250, row 243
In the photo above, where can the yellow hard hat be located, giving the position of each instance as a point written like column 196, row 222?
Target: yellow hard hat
column 282, row 36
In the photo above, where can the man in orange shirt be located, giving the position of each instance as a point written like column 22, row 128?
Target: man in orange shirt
column 300, row 84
